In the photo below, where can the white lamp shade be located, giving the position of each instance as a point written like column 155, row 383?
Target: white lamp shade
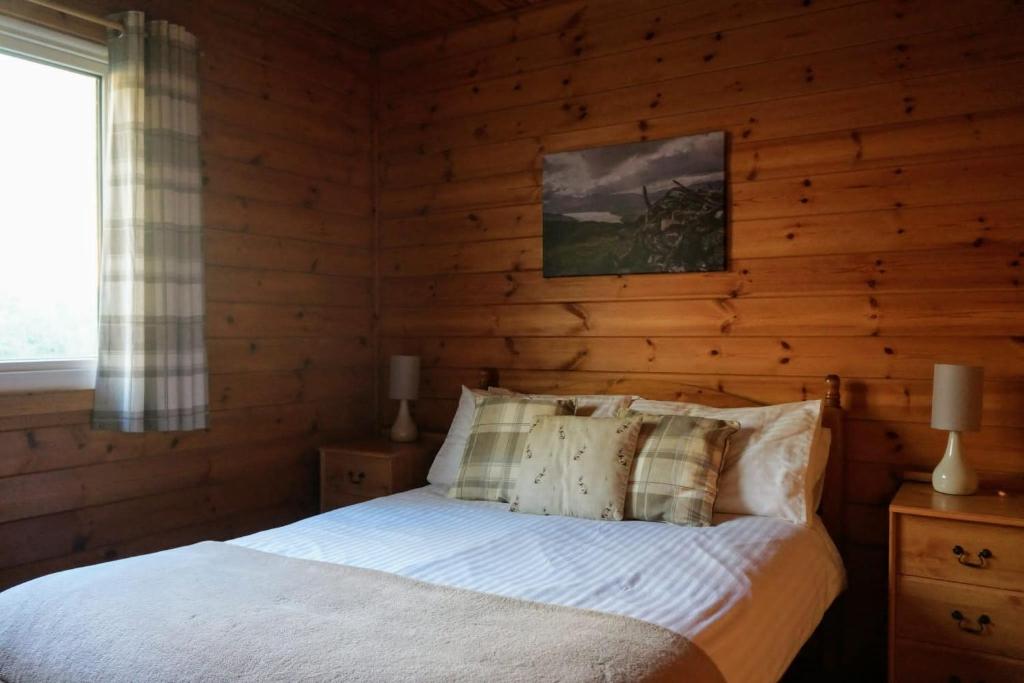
column 404, row 379
column 956, row 397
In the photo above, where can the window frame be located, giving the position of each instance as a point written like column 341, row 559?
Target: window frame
column 36, row 43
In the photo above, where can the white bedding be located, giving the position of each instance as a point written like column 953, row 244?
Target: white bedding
column 749, row 591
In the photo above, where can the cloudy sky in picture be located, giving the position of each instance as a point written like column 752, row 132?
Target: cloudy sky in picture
column 626, row 168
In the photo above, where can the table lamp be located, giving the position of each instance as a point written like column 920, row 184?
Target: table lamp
column 404, row 384
column 956, row 407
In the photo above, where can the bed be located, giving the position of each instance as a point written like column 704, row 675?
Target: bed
column 418, row 586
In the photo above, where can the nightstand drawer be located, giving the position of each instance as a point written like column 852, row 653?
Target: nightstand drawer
column 922, row 663
column 952, row 614
column 358, row 475
column 953, row 550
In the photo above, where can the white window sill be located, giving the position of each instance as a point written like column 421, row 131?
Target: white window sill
column 53, row 375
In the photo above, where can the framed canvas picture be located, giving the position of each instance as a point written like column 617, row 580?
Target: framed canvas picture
column 647, row 207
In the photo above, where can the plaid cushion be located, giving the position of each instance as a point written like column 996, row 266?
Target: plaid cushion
column 675, row 472
column 490, row 466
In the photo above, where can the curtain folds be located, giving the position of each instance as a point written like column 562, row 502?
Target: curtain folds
column 152, row 356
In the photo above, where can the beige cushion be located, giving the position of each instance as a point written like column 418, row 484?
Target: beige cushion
column 490, row 465
column 577, row 467
column 675, row 473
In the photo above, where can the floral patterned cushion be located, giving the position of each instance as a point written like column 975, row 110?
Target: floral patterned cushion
column 675, row 473
column 577, row 467
column 490, row 465
column 587, row 405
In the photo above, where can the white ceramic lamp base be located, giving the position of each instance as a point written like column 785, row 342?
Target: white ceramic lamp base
column 404, row 429
column 954, row 475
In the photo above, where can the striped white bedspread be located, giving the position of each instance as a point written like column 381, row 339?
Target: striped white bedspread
column 749, row 590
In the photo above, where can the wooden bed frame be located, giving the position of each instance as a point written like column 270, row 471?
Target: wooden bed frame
column 823, row 651
column 832, row 498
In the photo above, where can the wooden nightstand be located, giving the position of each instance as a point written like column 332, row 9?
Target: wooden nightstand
column 363, row 469
column 956, row 587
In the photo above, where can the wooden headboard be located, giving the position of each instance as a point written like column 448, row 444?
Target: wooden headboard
column 831, row 509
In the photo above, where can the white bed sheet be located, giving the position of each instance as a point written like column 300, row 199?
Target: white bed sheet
column 749, row 590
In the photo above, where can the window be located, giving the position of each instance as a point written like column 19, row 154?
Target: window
column 50, row 137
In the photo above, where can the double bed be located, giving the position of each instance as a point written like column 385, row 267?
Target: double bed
column 419, row 586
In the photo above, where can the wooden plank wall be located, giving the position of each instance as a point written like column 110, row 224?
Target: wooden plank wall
column 876, row 160
column 286, row 118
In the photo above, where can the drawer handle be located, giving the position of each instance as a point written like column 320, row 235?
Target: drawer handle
column 964, row 557
column 964, row 625
column 356, row 477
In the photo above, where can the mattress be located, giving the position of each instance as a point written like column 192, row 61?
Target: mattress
column 748, row 591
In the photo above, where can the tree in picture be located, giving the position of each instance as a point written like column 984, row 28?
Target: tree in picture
column 645, row 207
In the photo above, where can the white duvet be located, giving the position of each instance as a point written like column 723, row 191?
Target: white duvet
column 749, row 590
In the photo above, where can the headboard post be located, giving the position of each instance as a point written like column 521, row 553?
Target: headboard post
column 832, row 391
column 833, row 496
column 832, row 512
column 833, row 488
column 487, row 377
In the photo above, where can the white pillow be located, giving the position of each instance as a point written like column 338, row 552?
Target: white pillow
column 772, row 467
column 591, row 405
column 816, row 469
column 445, row 468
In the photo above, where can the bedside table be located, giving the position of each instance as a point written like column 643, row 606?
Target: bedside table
column 956, row 587
column 363, row 469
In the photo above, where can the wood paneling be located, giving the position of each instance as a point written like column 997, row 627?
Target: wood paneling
column 288, row 173
column 876, row 218
column 876, row 156
column 373, row 23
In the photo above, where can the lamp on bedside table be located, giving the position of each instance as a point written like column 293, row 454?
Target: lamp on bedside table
column 404, row 385
column 956, row 407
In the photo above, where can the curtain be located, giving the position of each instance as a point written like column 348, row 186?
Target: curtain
column 152, row 358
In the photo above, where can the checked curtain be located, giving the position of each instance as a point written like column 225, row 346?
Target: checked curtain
column 152, row 356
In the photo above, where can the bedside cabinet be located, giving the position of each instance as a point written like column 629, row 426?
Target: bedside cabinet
column 956, row 587
column 363, row 469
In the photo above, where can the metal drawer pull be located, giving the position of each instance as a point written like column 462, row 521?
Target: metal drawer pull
column 964, row 557
column 962, row 622
column 356, row 478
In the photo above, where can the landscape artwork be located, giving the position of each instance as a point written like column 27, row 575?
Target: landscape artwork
column 646, row 207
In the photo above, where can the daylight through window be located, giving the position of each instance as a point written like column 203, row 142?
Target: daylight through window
column 49, row 209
